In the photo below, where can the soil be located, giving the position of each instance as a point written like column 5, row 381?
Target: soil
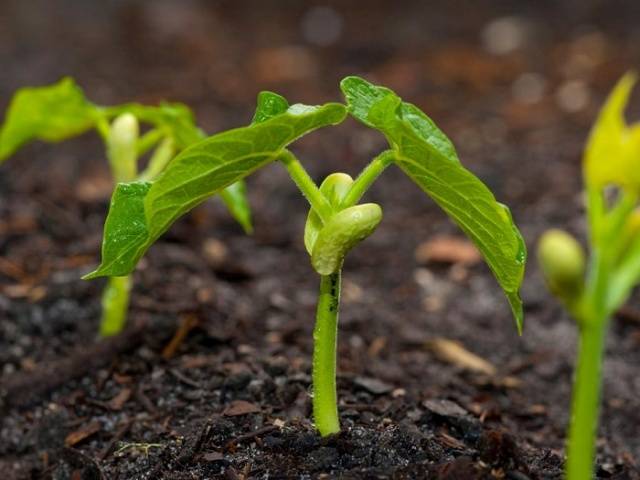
column 212, row 378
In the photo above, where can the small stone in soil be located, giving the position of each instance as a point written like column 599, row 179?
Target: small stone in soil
column 240, row 407
column 212, row 457
column 373, row 385
column 444, row 408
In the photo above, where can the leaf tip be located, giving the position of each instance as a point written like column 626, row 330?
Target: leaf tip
column 92, row 275
column 515, row 302
column 247, row 226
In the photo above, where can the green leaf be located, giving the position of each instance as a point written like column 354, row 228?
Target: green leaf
column 178, row 121
column 269, row 105
column 52, row 113
column 199, row 172
column 60, row 111
column 626, row 271
column 429, row 158
column 235, row 196
column 612, row 155
column 125, row 228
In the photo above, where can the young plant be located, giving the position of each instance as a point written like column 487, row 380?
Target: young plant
column 142, row 211
column 592, row 291
column 61, row 111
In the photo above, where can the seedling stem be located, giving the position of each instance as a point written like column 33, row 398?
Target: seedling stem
column 325, row 333
column 592, row 297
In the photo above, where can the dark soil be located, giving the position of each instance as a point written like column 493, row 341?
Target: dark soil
column 232, row 400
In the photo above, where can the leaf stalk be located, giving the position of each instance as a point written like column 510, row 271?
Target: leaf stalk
column 366, row 178
column 306, row 185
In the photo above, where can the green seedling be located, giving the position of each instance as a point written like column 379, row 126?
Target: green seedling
column 593, row 290
column 142, row 211
column 61, row 111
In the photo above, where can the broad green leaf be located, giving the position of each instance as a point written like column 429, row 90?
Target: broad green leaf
column 429, row 158
column 125, row 226
column 235, row 196
column 612, row 155
column 199, row 172
column 60, row 111
column 52, row 113
column 179, row 120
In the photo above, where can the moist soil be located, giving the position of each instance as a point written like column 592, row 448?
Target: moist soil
column 212, row 377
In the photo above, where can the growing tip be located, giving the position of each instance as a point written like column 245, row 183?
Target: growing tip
column 563, row 264
column 88, row 276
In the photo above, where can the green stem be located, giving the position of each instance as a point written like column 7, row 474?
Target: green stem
column 161, row 157
column 102, row 126
column 147, row 141
column 325, row 403
column 595, row 213
column 121, row 150
column 619, row 214
column 592, row 316
column 115, row 304
column 306, row 185
column 370, row 173
column 585, row 403
column 601, row 297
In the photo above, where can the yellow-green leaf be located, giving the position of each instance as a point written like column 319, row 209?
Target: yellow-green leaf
column 52, row 113
column 612, row 155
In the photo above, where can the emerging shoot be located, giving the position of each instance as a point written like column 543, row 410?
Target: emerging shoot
column 142, row 211
column 61, row 111
column 611, row 160
column 562, row 262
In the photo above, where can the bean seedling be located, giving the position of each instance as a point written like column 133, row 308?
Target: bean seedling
column 61, row 111
column 592, row 293
column 141, row 211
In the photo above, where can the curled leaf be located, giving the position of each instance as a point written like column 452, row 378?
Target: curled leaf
column 612, row 155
